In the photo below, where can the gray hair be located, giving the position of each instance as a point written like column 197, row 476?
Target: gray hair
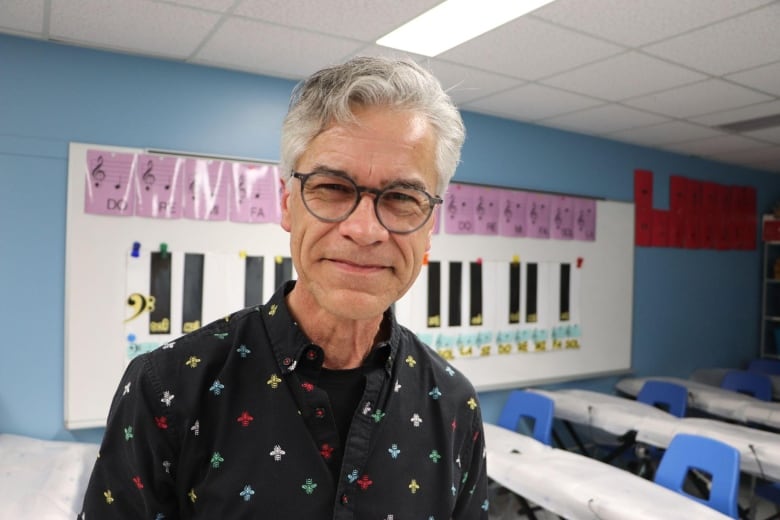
column 328, row 95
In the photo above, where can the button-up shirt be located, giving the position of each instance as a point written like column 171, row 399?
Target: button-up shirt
column 230, row 422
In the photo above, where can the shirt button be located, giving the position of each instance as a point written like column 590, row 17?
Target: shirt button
column 287, row 361
column 344, row 499
column 319, row 413
column 311, row 354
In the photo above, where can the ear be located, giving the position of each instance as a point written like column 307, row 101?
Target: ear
column 285, row 204
column 430, row 232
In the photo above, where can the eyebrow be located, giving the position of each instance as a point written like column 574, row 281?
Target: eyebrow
column 397, row 183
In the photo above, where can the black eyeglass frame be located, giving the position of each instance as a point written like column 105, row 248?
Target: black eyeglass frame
column 433, row 200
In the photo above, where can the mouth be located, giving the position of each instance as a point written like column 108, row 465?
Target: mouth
column 356, row 266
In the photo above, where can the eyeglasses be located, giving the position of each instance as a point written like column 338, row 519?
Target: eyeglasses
column 332, row 197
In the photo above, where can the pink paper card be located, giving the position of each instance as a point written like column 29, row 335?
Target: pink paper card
column 538, row 207
column 460, row 209
column 562, row 214
column 486, row 211
column 585, row 219
column 158, row 186
column 254, row 195
column 513, row 213
column 205, row 189
column 108, row 183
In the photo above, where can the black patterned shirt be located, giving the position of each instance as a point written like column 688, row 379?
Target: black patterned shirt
column 229, row 422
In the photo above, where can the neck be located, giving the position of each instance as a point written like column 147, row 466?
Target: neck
column 346, row 342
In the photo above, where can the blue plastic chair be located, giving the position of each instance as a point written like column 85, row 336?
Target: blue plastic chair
column 522, row 404
column 670, row 397
column 755, row 384
column 687, row 453
column 765, row 366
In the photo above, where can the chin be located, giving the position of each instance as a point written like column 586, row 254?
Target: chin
column 356, row 304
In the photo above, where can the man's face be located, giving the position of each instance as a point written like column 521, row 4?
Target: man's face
column 356, row 269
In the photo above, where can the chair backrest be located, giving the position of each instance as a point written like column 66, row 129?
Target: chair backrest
column 671, row 397
column 717, row 459
column 523, row 404
column 752, row 383
column 765, row 366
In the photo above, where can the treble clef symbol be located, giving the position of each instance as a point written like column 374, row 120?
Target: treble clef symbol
column 508, row 211
column 452, row 209
column 558, row 219
column 581, row 221
column 97, row 172
column 480, row 209
column 148, row 176
column 242, row 188
column 533, row 213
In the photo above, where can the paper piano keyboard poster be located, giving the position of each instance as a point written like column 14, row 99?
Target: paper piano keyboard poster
column 517, row 287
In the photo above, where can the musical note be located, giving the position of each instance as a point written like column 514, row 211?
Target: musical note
column 148, row 176
column 97, row 172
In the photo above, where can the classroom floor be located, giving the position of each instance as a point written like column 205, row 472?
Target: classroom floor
column 505, row 506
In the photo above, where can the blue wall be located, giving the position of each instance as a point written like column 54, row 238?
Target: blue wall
column 691, row 308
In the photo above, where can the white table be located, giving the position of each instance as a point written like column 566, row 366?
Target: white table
column 577, row 487
column 714, row 400
column 714, row 376
column 610, row 413
column 759, row 450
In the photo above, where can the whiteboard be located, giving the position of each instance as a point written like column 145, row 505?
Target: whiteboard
column 99, row 271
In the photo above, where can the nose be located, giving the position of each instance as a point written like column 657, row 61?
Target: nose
column 362, row 225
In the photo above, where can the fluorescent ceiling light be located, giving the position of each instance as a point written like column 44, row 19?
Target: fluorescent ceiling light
column 453, row 22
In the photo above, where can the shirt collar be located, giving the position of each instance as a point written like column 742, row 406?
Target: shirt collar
column 289, row 342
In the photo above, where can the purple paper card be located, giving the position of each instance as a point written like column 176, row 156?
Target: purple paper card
column 538, row 208
column 513, row 214
column 460, row 206
column 585, row 219
column 486, row 211
column 205, row 189
column 108, row 183
column 254, row 196
column 562, row 217
column 158, row 186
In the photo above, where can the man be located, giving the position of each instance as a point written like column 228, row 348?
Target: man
column 318, row 404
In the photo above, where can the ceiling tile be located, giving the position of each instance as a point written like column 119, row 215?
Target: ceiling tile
column 22, row 16
column 664, row 133
column 624, row 76
column 697, row 99
column 464, row 83
column 744, row 42
column 531, row 102
column 640, row 22
column 767, row 134
column 131, row 25
column 251, row 45
column 359, row 19
column 602, row 120
column 530, row 49
column 752, row 156
column 715, row 145
column 220, row 6
column 739, row 114
column 766, row 79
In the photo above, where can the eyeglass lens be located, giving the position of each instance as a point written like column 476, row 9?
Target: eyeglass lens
column 333, row 198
